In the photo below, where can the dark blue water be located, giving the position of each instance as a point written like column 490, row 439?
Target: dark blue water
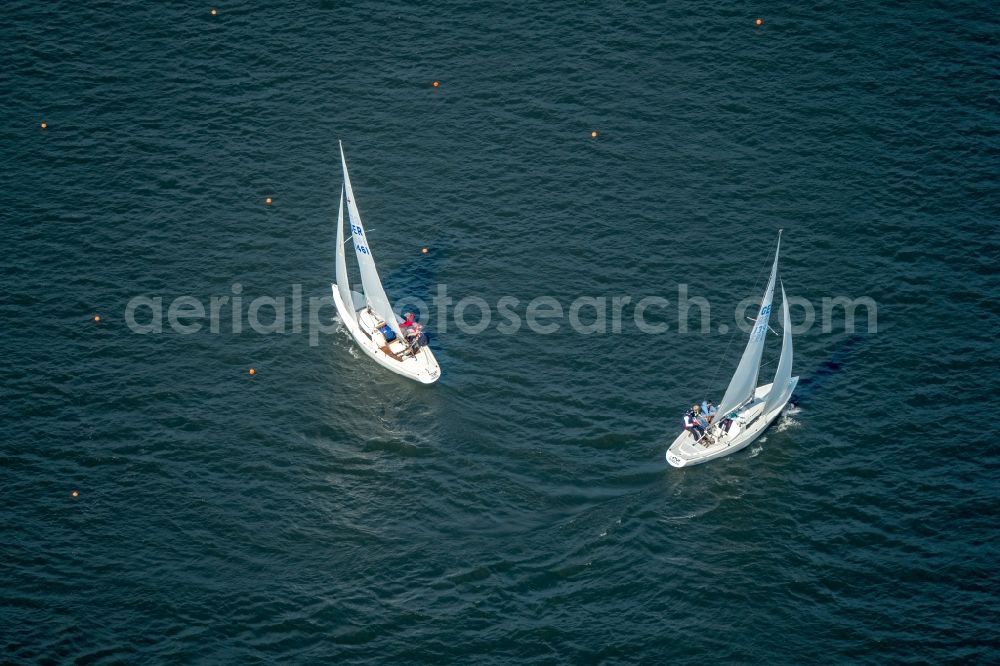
column 520, row 511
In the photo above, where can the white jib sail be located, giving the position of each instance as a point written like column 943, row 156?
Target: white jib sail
column 343, row 286
column 370, row 282
column 744, row 381
column 783, row 374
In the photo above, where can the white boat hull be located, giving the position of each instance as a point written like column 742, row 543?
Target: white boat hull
column 421, row 367
column 747, row 427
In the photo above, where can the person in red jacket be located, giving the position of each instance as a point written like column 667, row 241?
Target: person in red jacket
column 413, row 332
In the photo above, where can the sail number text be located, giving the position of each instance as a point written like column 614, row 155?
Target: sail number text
column 358, row 234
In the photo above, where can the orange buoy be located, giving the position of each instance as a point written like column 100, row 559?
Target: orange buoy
column 97, row 317
column 252, row 371
column 424, row 250
column 215, row 11
column 268, row 201
column 436, row 84
column 45, row 125
column 593, row 135
column 759, row 21
column 74, row 494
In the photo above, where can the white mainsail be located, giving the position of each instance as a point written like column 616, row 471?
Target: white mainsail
column 782, row 386
column 343, row 286
column 370, row 282
column 744, row 382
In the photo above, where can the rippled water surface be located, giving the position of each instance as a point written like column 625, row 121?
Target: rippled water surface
column 520, row 511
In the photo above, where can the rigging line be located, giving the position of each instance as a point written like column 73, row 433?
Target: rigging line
column 768, row 326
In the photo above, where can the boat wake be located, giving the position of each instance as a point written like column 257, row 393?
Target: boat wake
column 755, row 451
column 617, row 524
column 712, row 505
column 683, row 516
column 787, row 421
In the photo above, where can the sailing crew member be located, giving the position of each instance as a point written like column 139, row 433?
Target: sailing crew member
column 693, row 424
column 708, row 410
column 417, row 337
column 727, row 422
column 698, row 414
column 413, row 331
column 409, row 327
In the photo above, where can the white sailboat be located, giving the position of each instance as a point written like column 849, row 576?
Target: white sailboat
column 750, row 408
column 368, row 315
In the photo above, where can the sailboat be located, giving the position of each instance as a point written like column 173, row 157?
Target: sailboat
column 746, row 409
column 368, row 315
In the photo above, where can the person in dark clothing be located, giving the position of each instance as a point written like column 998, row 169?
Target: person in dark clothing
column 727, row 422
column 692, row 423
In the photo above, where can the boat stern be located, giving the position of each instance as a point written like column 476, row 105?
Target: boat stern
column 680, row 452
column 675, row 460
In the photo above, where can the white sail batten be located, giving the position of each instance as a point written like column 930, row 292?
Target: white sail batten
column 343, row 286
column 782, row 387
column 744, row 382
column 370, row 282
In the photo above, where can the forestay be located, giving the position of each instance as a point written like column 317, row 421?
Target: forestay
column 370, row 282
column 744, row 382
